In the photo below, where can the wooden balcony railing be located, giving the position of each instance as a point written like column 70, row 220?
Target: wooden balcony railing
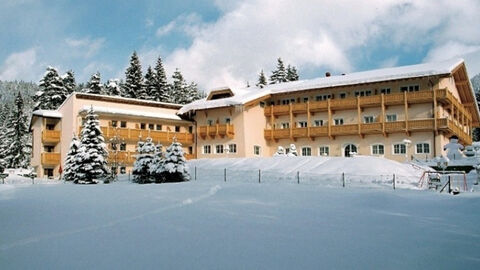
column 50, row 136
column 213, row 131
column 127, row 158
column 133, row 135
column 50, row 158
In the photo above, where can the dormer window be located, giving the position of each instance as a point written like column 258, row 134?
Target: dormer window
column 220, row 93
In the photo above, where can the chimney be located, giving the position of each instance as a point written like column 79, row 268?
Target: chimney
column 327, row 74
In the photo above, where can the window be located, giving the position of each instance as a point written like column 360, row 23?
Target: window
column 323, row 97
column 113, row 146
column 207, row 149
column 210, row 122
column 123, row 124
column 123, row 170
column 142, row 125
column 368, row 93
column 256, row 150
column 410, row 88
column 151, row 126
column 114, row 123
column 262, row 104
column 305, row 99
column 159, row 127
column 190, row 150
column 343, row 95
column 219, row 149
column 227, row 120
column 123, row 147
column 378, row 149
column 318, row 123
column 363, row 93
column 368, row 119
column 50, row 127
column 285, row 101
column 385, row 90
column 232, row 148
column 285, row 125
column 306, row 151
column 190, row 129
column 423, row 148
column 391, row 117
column 302, row 124
column 399, row 149
column 48, row 172
column 323, row 151
column 48, row 149
column 338, row 121
column 177, row 128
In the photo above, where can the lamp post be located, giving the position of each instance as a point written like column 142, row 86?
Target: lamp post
column 406, row 142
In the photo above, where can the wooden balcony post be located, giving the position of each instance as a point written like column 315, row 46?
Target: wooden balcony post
column 329, row 119
column 435, row 126
column 308, row 119
column 216, row 131
column 383, row 115
column 272, row 123
column 359, row 115
column 406, row 112
column 291, row 120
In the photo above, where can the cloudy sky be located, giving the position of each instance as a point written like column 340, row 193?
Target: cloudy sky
column 227, row 42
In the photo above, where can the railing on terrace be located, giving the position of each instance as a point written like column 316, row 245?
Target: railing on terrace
column 221, row 130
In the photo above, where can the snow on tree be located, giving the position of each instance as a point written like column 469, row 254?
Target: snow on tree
column 141, row 167
column 175, row 166
column 71, row 167
column 162, row 92
column 52, row 92
column 279, row 75
column 112, row 88
column 179, row 88
column 133, row 86
column 92, row 154
column 16, row 146
column 156, row 167
column 292, row 74
column 280, row 152
column 4, row 113
column 292, row 151
column 150, row 84
column 94, row 86
column 262, row 80
column 68, row 80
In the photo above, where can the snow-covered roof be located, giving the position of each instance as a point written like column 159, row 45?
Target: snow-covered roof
column 116, row 111
column 47, row 113
column 245, row 95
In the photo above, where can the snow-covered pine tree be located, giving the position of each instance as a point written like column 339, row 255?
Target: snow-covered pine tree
column 292, row 74
column 112, row 88
column 94, row 86
column 52, row 92
column 134, row 87
column 70, row 170
column 92, row 154
column 476, row 88
column 292, row 151
column 4, row 114
column 179, row 88
column 163, row 88
column 279, row 75
column 17, row 146
column 150, row 84
column 69, row 82
column 156, row 167
column 262, row 80
column 280, row 152
column 175, row 166
column 143, row 161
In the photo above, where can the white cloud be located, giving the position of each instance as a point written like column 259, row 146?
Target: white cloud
column 20, row 66
column 323, row 35
column 85, row 47
column 186, row 23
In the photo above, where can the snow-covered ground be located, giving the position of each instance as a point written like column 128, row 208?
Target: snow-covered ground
column 211, row 224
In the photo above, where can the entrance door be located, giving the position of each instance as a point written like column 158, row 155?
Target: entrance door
column 350, row 148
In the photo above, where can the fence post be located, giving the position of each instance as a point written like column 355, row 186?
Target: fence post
column 225, row 174
column 195, row 173
column 449, row 184
column 259, row 175
column 298, row 177
column 393, row 181
column 343, row 179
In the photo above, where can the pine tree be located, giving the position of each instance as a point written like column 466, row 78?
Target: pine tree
column 143, row 161
column 476, row 88
column 112, row 88
column 150, row 84
column 175, row 166
column 162, row 92
column 4, row 113
column 179, row 88
column 292, row 74
column 134, row 87
column 262, row 80
column 156, row 167
column 16, row 145
column 52, row 93
column 71, row 167
column 68, row 80
column 94, row 86
column 279, row 75
column 92, row 154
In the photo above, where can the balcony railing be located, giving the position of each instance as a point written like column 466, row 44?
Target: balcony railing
column 127, row 158
column 50, row 136
column 50, row 158
column 133, row 135
column 213, row 131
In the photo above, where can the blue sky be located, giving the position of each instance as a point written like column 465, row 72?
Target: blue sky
column 227, row 42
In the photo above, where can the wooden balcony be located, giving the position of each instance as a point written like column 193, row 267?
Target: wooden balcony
column 133, row 135
column 50, row 136
column 127, row 158
column 50, row 158
column 218, row 130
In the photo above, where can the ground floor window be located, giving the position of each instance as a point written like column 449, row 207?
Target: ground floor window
column 323, row 151
column 423, row 148
column 256, row 150
column 349, row 150
column 219, row 149
column 378, row 149
column 123, row 170
column 207, row 149
column 306, row 151
column 232, row 148
column 48, row 172
column 399, row 149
